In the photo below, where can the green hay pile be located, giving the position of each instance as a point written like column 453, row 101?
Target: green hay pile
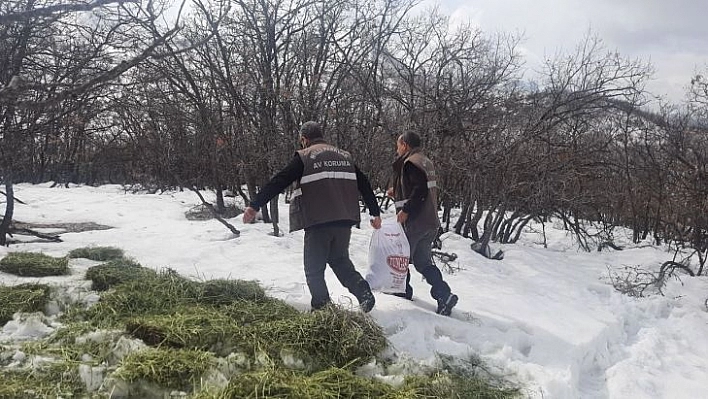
column 189, row 327
column 73, row 343
column 268, row 309
column 342, row 383
column 283, row 383
column 154, row 294
column 97, row 253
column 266, row 347
column 141, row 292
column 168, row 368
column 58, row 380
column 116, row 271
column 219, row 330
column 180, row 313
column 330, row 337
column 30, row 264
column 224, row 292
column 467, row 379
column 445, row 385
column 22, row 298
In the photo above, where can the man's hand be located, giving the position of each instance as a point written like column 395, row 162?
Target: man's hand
column 401, row 217
column 389, row 192
column 376, row 222
column 249, row 215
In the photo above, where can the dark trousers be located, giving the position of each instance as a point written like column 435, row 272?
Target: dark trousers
column 330, row 245
column 422, row 259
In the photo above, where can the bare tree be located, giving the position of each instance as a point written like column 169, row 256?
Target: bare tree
column 54, row 54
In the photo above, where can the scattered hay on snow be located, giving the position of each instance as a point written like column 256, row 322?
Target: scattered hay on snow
column 31, row 264
column 329, row 337
column 116, row 271
column 22, row 298
column 202, row 212
column 284, row 383
column 27, row 326
column 152, row 294
column 246, row 312
column 213, row 339
column 179, row 369
column 188, row 327
column 224, row 292
column 55, row 381
column 75, row 343
column 97, row 253
column 64, row 365
column 155, row 293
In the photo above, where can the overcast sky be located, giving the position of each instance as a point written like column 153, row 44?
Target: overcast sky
column 672, row 35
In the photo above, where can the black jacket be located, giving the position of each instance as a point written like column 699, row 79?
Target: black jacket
column 293, row 171
column 416, row 179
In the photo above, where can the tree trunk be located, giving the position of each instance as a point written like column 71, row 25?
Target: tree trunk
column 519, row 228
column 462, row 219
column 474, row 221
column 274, row 213
column 220, row 206
column 9, row 208
column 490, row 223
column 497, row 223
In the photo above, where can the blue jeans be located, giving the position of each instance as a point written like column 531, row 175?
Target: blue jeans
column 422, row 259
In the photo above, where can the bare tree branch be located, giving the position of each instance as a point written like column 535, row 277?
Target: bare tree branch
column 53, row 10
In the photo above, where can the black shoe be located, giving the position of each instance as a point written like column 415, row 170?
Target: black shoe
column 406, row 295
column 445, row 306
column 367, row 301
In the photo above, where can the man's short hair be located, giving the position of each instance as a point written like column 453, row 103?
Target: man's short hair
column 411, row 138
column 311, row 130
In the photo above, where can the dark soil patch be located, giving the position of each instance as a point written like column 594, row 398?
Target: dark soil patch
column 66, row 227
column 27, row 229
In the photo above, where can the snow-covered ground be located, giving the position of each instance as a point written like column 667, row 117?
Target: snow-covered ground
column 547, row 318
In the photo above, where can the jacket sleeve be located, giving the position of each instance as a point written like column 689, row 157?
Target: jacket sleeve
column 419, row 188
column 367, row 193
column 279, row 182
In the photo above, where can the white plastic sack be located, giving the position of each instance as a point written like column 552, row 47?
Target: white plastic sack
column 389, row 252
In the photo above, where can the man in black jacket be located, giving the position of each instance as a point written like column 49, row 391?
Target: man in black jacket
column 325, row 204
column 415, row 193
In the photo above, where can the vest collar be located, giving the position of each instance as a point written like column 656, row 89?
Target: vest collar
column 318, row 140
column 398, row 163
